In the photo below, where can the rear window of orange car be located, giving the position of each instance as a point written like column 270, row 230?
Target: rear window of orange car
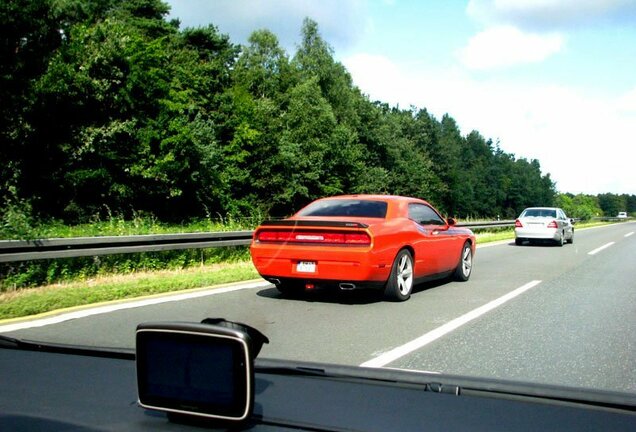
column 352, row 208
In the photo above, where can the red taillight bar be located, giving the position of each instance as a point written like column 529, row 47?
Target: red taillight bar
column 553, row 224
column 317, row 237
column 518, row 224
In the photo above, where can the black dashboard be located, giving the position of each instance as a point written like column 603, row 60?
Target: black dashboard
column 78, row 391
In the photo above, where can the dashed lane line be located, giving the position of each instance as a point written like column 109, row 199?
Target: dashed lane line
column 415, row 344
column 597, row 250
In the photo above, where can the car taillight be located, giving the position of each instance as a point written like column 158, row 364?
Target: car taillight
column 518, row 224
column 314, row 237
column 553, row 224
column 274, row 236
column 358, row 238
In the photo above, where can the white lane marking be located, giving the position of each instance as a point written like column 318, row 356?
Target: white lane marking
column 127, row 305
column 629, row 234
column 433, row 335
column 495, row 243
column 414, row 370
column 597, row 250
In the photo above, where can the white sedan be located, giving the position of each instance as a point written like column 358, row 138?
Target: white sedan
column 544, row 223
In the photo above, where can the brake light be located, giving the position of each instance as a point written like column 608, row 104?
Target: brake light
column 274, row 236
column 358, row 238
column 518, row 224
column 318, row 237
column 553, row 224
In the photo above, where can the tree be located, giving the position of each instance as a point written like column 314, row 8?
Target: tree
column 304, row 143
column 28, row 38
column 581, row 206
column 263, row 67
column 126, row 112
column 314, row 58
column 612, row 204
column 111, row 108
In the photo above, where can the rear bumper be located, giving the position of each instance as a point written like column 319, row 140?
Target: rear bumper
column 544, row 234
column 343, row 285
column 333, row 264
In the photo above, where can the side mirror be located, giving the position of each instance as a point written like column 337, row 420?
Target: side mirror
column 572, row 221
column 451, row 222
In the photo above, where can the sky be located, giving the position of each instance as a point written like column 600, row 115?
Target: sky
column 553, row 80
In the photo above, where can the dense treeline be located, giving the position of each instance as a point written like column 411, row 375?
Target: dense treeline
column 107, row 107
column 588, row 206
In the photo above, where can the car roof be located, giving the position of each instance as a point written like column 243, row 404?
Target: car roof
column 375, row 197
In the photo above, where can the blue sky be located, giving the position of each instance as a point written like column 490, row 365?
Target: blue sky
column 553, row 80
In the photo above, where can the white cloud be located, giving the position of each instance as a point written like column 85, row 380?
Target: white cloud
column 369, row 71
column 505, row 46
column 585, row 141
column 341, row 23
column 540, row 15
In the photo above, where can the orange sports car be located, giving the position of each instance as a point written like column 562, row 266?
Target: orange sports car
column 361, row 241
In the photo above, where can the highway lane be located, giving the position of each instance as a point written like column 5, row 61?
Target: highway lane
column 508, row 342
column 577, row 328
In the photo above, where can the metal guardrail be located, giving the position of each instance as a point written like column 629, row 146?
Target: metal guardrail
column 26, row 250
column 613, row 218
column 490, row 224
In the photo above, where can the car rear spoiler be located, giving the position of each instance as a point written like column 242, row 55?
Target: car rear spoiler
column 314, row 223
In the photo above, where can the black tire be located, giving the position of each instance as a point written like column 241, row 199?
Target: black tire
column 518, row 242
column 571, row 239
column 400, row 283
column 465, row 266
column 561, row 240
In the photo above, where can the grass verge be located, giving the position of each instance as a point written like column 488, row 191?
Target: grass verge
column 489, row 236
column 34, row 301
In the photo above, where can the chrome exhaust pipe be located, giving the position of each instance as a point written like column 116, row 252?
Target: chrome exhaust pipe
column 347, row 286
column 274, row 281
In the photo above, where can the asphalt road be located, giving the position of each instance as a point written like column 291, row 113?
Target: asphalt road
column 546, row 314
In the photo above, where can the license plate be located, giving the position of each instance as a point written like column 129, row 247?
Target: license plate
column 306, row 266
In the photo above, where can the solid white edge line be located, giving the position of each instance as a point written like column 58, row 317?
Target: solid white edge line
column 597, row 250
column 629, row 234
column 128, row 305
column 433, row 335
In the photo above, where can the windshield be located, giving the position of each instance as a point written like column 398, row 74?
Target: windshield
column 144, row 142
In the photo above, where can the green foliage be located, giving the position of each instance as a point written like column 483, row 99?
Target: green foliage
column 16, row 215
column 612, row 204
column 581, row 206
column 15, row 219
column 108, row 108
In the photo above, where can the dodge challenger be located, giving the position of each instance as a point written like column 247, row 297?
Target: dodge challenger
column 362, row 241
